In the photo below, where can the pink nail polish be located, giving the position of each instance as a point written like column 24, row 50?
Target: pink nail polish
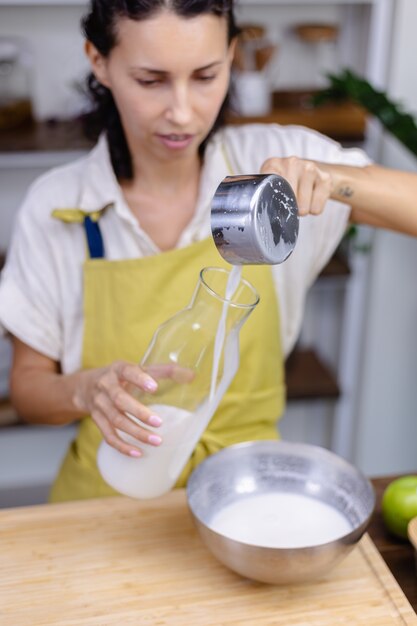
column 150, row 385
column 154, row 420
column 135, row 453
column 154, row 440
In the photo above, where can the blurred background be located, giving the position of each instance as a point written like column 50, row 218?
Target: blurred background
column 352, row 379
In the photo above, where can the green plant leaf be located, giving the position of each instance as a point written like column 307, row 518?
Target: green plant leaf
column 349, row 86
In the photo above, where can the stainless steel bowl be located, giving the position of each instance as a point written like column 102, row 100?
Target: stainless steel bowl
column 261, row 467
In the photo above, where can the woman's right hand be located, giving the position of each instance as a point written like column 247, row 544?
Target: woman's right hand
column 104, row 396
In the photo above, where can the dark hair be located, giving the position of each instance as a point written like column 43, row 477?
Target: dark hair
column 100, row 27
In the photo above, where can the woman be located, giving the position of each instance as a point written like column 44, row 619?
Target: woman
column 141, row 201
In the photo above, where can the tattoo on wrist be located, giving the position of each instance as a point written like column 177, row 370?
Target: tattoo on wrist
column 345, row 192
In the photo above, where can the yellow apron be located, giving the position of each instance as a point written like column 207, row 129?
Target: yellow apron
column 124, row 302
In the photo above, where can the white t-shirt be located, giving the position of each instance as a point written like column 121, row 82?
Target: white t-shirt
column 41, row 285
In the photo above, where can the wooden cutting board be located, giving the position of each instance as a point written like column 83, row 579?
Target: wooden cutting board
column 122, row 562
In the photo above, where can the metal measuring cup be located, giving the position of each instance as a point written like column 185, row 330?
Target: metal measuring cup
column 254, row 219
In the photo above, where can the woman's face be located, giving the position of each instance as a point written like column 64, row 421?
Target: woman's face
column 169, row 76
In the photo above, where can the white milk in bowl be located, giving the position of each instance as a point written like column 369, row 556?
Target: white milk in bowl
column 281, row 520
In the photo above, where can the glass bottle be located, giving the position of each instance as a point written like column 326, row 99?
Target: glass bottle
column 15, row 92
column 194, row 356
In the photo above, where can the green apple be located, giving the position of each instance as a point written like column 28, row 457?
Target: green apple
column 399, row 504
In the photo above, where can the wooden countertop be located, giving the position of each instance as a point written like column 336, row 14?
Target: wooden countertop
column 122, row 562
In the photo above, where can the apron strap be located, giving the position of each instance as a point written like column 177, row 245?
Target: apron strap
column 94, row 238
column 92, row 230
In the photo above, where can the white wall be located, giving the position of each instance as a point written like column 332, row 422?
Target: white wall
column 33, row 459
column 54, row 38
column 13, row 184
column 296, row 63
column 386, row 430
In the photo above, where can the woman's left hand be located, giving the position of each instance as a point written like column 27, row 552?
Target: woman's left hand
column 311, row 184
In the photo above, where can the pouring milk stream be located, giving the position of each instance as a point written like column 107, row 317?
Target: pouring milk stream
column 254, row 220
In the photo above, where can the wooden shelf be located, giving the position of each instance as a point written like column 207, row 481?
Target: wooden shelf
column 8, row 416
column 308, row 378
column 342, row 122
column 51, row 136
column 337, row 267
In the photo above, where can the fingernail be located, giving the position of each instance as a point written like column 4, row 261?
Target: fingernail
column 154, row 440
column 135, row 453
column 154, row 420
column 150, row 385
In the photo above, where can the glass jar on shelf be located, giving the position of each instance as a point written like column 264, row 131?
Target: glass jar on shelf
column 320, row 41
column 15, row 87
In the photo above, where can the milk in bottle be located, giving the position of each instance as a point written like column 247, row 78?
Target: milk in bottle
column 201, row 342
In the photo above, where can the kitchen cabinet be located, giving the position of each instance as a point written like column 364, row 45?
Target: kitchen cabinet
column 363, row 44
